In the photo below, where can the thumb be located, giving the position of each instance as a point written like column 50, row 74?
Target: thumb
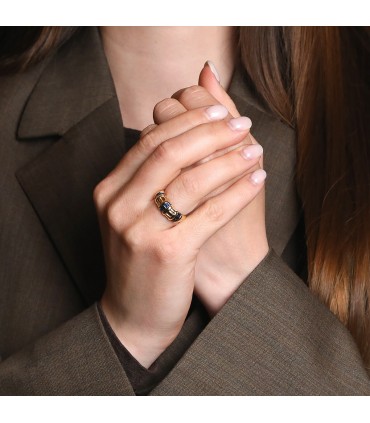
column 209, row 79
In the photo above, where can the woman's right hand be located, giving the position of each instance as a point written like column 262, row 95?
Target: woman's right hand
column 150, row 261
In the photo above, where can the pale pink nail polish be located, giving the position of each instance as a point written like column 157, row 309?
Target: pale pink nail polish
column 213, row 69
column 240, row 123
column 252, row 151
column 216, row 112
column 258, row 177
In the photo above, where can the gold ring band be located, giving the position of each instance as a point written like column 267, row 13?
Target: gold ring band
column 165, row 207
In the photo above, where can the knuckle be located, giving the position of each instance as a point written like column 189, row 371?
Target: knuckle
column 100, row 194
column 147, row 129
column 189, row 184
column 114, row 217
column 148, row 143
column 214, row 211
column 165, row 152
column 164, row 107
column 130, row 235
column 133, row 238
column 166, row 252
column 195, row 91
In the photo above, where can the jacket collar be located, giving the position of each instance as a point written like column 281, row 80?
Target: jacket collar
column 76, row 81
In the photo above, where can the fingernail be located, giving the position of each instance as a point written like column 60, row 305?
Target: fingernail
column 217, row 112
column 213, row 69
column 258, row 177
column 252, row 151
column 240, row 123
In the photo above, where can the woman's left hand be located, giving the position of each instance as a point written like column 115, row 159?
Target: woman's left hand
column 230, row 255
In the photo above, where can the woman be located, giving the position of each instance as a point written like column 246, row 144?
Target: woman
column 180, row 204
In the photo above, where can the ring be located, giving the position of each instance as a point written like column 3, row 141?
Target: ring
column 165, row 207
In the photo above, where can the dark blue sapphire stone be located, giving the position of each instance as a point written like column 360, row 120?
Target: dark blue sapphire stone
column 165, row 206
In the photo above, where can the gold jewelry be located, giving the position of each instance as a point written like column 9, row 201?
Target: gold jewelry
column 165, row 207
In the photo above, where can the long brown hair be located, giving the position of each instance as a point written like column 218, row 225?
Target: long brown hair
column 318, row 81
column 22, row 46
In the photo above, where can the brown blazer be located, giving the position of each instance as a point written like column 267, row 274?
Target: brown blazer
column 61, row 133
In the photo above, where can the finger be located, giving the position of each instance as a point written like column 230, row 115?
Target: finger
column 216, row 212
column 151, row 138
column 208, row 91
column 191, row 188
column 167, row 161
column 194, row 97
column 208, row 80
column 147, row 129
column 197, row 96
column 167, row 109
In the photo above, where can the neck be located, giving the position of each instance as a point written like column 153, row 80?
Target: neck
column 149, row 64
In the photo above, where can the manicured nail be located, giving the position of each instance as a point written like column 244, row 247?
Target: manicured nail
column 216, row 112
column 213, row 69
column 252, row 151
column 258, row 177
column 240, row 123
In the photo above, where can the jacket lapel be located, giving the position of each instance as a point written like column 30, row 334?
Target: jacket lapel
column 74, row 99
column 75, row 82
column 59, row 184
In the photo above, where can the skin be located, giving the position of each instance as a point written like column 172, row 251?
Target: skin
column 149, row 64
column 154, row 266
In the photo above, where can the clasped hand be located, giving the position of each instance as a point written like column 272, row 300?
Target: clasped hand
column 201, row 153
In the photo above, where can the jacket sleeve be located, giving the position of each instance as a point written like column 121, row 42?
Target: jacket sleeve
column 143, row 380
column 272, row 337
column 84, row 357
column 75, row 359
